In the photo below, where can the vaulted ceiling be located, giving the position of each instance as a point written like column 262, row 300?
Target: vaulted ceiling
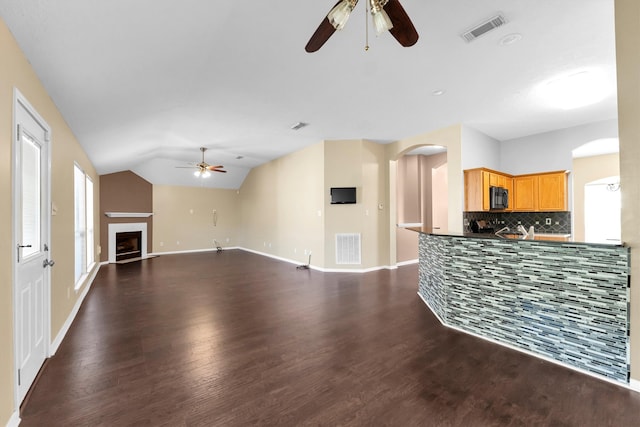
column 143, row 84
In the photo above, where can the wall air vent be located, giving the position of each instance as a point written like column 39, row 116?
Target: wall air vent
column 483, row 28
column 348, row 248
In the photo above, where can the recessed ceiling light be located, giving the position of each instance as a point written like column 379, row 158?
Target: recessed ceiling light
column 510, row 39
column 576, row 89
column 438, row 92
column 299, row 125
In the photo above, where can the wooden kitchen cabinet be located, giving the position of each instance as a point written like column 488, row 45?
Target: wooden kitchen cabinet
column 476, row 187
column 552, row 191
column 525, row 190
column 540, row 192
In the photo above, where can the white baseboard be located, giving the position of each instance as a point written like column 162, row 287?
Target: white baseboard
column 55, row 344
column 321, row 269
column 630, row 386
column 409, row 262
column 190, row 251
column 14, row 421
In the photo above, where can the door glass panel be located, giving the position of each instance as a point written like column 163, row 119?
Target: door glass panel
column 31, row 201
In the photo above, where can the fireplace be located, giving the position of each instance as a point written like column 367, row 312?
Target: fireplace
column 127, row 240
column 128, row 245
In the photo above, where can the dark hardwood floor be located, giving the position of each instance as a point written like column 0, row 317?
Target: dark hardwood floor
column 236, row 339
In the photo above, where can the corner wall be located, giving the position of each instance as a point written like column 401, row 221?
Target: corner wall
column 627, row 14
column 16, row 72
column 282, row 207
column 124, row 192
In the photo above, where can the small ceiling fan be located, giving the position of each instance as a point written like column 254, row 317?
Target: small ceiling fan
column 387, row 15
column 204, row 169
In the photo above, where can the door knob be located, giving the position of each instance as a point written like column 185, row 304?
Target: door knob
column 48, row 263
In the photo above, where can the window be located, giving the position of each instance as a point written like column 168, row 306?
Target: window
column 83, row 224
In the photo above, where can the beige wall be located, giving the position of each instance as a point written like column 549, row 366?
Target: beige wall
column 183, row 218
column 282, row 207
column 361, row 164
column 16, row 72
column 627, row 14
column 586, row 170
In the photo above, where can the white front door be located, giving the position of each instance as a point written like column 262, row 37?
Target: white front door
column 31, row 234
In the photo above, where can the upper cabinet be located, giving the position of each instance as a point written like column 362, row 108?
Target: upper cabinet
column 476, row 187
column 525, row 190
column 540, row 192
column 552, row 191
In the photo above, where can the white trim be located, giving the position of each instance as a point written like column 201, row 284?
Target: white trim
column 290, row 261
column 122, row 228
column 190, row 251
column 409, row 262
column 14, row 421
column 128, row 214
column 324, row 270
column 55, row 344
column 632, row 386
column 409, row 224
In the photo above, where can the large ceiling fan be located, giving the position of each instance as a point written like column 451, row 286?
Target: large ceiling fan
column 204, row 169
column 387, row 15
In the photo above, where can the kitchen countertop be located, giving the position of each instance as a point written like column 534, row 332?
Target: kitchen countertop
column 538, row 237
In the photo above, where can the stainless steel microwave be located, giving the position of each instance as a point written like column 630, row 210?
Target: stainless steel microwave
column 498, row 198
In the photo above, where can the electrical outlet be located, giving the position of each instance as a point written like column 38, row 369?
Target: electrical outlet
column 547, row 221
column 227, row 240
column 178, row 242
column 161, row 244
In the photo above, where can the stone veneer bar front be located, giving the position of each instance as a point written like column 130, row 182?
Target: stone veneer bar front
column 567, row 302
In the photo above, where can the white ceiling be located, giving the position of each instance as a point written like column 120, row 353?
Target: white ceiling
column 143, row 84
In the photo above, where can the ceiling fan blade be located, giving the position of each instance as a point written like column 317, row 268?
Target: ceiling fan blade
column 214, row 167
column 218, row 170
column 186, row 167
column 403, row 29
column 322, row 34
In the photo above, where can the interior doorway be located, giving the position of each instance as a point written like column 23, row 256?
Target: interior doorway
column 602, row 209
column 421, row 197
column 595, row 165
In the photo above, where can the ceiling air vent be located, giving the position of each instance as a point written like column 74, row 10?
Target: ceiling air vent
column 485, row 27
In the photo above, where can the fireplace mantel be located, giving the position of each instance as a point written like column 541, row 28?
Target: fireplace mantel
column 128, row 214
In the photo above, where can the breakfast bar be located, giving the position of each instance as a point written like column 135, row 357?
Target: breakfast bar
column 564, row 301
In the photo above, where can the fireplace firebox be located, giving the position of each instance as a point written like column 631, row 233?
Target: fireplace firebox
column 128, row 245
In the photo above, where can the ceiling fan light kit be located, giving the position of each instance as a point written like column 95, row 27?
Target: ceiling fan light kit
column 381, row 20
column 339, row 15
column 387, row 15
column 204, row 169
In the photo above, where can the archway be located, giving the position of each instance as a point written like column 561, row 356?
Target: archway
column 596, row 162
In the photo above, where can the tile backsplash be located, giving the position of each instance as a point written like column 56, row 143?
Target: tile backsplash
column 560, row 221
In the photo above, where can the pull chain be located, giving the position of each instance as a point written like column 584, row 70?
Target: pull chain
column 366, row 26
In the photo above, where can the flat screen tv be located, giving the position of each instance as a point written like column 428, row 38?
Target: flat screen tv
column 343, row 195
